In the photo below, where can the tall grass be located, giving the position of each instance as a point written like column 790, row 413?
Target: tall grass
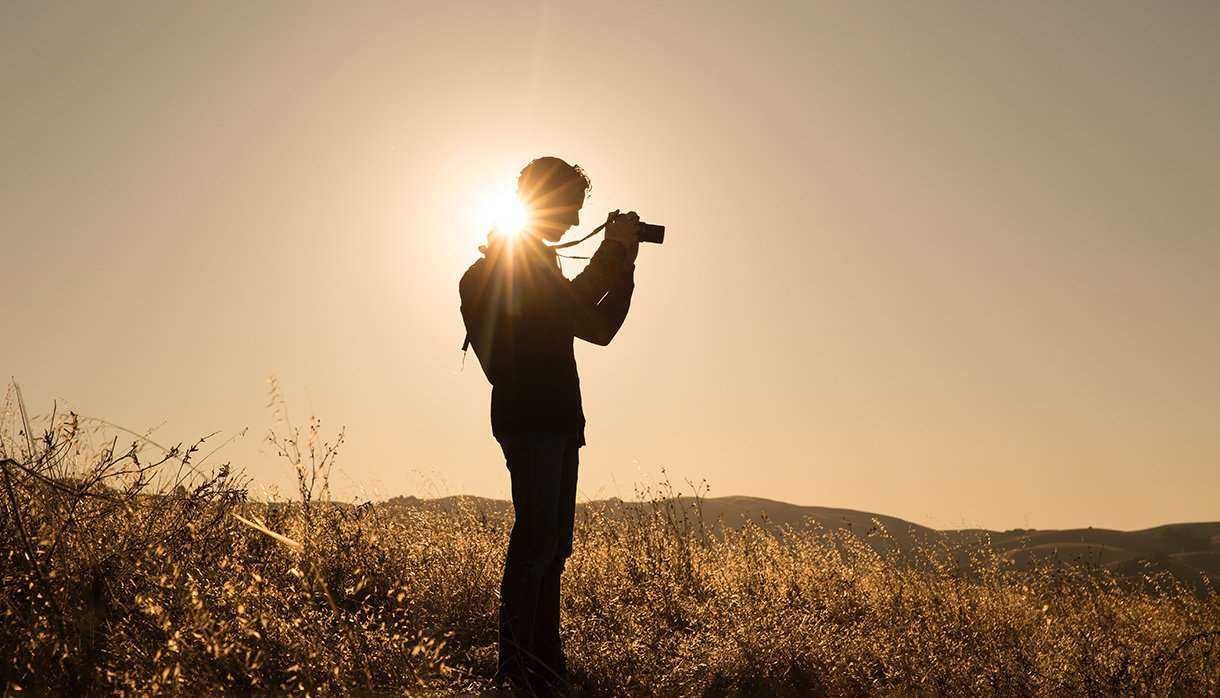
column 131, row 573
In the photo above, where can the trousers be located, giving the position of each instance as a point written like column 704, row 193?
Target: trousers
column 543, row 467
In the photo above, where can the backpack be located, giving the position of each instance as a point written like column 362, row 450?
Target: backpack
column 483, row 302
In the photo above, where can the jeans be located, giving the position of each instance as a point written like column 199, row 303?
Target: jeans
column 543, row 468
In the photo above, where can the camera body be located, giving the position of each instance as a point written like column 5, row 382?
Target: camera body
column 650, row 232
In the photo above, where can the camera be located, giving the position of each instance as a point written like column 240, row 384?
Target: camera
column 650, row 232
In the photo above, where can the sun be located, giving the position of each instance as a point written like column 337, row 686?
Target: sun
column 506, row 213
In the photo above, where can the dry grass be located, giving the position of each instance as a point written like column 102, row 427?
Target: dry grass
column 124, row 574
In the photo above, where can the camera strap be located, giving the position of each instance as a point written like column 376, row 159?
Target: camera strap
column 596, row 230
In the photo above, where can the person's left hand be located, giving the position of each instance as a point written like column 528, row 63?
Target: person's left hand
column 624, row 228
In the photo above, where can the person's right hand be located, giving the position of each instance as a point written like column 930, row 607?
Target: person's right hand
column 624, row 228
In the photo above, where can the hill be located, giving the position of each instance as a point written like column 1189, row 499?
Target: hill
column 1188, row 551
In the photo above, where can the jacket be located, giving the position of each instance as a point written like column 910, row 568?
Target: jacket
column 522, row 317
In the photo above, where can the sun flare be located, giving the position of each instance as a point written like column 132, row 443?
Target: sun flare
column 506, row 214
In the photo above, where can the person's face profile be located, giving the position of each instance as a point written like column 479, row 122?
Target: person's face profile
column 551, row 216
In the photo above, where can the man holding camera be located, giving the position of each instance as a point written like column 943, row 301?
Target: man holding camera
column 522, row 316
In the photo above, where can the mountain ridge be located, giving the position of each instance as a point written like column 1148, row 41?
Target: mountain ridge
column 1190, row 551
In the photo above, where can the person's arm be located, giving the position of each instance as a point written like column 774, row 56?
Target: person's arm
column 598, row 324
column 596, row 279
column 616, row 253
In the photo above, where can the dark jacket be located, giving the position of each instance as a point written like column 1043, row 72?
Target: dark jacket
column 521, row 316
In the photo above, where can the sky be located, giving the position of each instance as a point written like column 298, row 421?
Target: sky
column 952, row 262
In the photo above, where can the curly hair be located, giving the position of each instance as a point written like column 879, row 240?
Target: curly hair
column 549, row 173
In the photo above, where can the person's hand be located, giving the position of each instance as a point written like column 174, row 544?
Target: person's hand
column 624, row 228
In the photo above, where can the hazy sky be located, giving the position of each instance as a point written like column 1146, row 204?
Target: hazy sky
column 952, row 262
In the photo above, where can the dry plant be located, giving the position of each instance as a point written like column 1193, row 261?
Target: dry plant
column 78, row 523
column 129, row 573
column 109, row 587
column 313, row 459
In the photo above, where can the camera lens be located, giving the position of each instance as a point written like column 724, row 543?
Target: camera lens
column 652, row 233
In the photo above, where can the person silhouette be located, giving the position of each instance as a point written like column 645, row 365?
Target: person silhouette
column 522, row 316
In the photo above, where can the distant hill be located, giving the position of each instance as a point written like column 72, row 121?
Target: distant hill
column 1189, row 551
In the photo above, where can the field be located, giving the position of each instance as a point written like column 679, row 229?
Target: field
column 143, row 571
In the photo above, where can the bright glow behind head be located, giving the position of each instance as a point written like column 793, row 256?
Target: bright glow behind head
column 507, row 214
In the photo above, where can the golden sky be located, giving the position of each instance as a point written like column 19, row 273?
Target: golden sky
column 954, row 262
